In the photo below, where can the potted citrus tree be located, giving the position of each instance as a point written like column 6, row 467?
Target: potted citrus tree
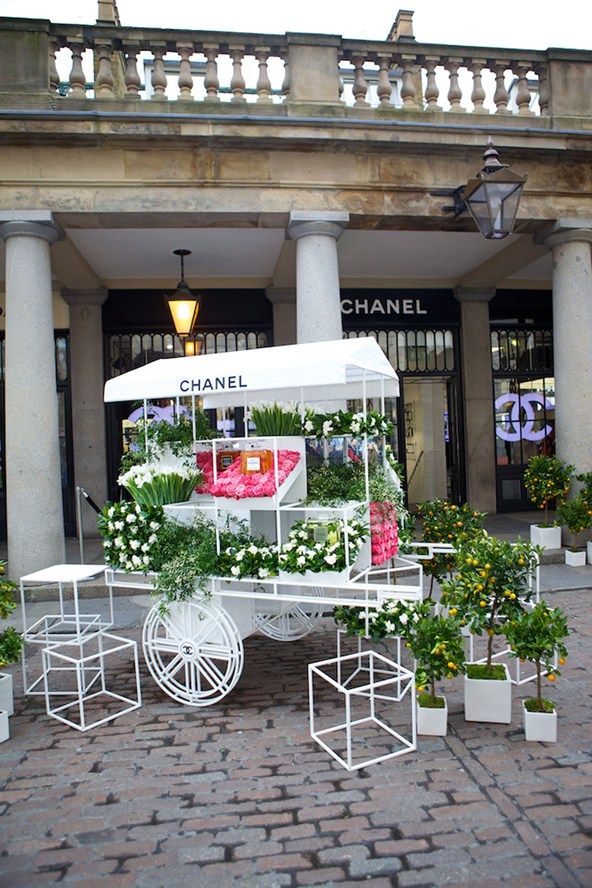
column 438, row 647
column 575, row 515
column 489, row 589
column 537, row 635
column 546, row 478
column 445, row 522
column 10, row 648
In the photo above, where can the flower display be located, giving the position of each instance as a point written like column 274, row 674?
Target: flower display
column 384, row 534
column 320, row 546
column 344, row 422
column 153, row 484
column 276, row 418
column 130, row 531
column 395, row 619
column 253, row 560
column 232, row 483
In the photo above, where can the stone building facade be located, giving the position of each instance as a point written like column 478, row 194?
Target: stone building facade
column 308, row 175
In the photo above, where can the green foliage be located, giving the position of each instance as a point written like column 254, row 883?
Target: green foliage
column 333, row 483
column 545, row 479
column 158, row 485
column 186, row 559
column 531, row 704
column 394, row 619
column 11, row 642
column 445, row 522
column 438, row 647
column 318, row 545
column 426, row 701
column 537, row 635
column 345, row 422
column 491, row 585
column 575, row 514
column 276, row 419
column 483, row 672
column 160, row 434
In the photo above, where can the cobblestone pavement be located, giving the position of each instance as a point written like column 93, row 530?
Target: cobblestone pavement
column 239, row 795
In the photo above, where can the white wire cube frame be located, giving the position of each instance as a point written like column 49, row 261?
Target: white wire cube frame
column 90, row 685
column 383, row 675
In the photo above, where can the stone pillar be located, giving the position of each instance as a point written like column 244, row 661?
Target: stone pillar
column 88, row 411
column 569, row 240
column 477, row 379
column 318, row 303
column 33, row 479
column 283, row 300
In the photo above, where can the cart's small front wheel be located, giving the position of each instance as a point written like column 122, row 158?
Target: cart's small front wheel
column 288, row 622
column 194, row 652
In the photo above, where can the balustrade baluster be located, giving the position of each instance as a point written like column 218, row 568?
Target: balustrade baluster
column 476, row 66
column 211, row 82
column 185, row 79
column 432, row 92
column 158, row 77
column 523, row 96
column 54, row 77
column 237, row 81
column 263, row 81
column 454, row 91
column 286, row 82
column 408, row 90
column 132, row 78
column 360, row 87
column 384, row 89
column 544, row 91
column 500, row 97
column 77, row 78
column 104, row 80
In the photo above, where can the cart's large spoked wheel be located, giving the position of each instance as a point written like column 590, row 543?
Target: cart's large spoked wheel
column 292, row 622
column 194, row 652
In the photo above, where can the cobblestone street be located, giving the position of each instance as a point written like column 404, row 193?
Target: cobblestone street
column 239, row 794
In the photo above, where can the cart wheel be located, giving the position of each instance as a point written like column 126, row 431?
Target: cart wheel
column 194, row 652
column 296, row 621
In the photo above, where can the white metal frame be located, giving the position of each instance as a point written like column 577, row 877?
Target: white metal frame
column 377, row 666
column 79, row 662
column 69, row 623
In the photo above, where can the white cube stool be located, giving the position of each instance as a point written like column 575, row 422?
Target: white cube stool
column 68, row 621
column 371, row 677
column 77, row 669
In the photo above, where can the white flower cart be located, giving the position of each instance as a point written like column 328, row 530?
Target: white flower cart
column 195, row 650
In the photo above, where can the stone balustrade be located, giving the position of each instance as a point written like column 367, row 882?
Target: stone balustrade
column 297, row 74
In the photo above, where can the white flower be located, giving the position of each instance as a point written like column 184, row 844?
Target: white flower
column 152, row 539
column 111, row 512
column 308, row 426
column 330, row 559
column 301, row 561
column 263, row 572
column 416, row 618
column 134, row 544
column 136, row 560
column 130, row 518
column 253, row 549
column 240, row 555
column 404, row 618
column 145, row 547
column 119, row 542
column 146, row 559
column 119, row 525
column 235, row 570
column 390, row 627
column 327, row 428
column 154, row 525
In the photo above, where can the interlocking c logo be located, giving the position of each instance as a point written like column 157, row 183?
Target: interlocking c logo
column 522, row 428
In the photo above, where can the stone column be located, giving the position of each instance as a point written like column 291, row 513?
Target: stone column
column 318, row 303
column 33, row 480
column 283, row 300
column 88, row 411
column 477, row 379
column 569, row 240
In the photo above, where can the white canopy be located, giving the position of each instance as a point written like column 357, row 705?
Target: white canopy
column 324, row 371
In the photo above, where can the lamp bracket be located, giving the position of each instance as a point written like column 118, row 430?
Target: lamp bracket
column 458, row 206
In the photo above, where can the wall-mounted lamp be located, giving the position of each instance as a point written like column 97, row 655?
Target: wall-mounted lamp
column 183, row 305
column 491, row 198
column 192, row 347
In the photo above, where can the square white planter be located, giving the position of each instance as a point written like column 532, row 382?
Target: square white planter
column 6, row 693
column 4, row 729
column 589, row 552
column 433, row 722
column 541, row 726
column 547, row 537
column 321, row 578
column 575, row 559
column 489, row 700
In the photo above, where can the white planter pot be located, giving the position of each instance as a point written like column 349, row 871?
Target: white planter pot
column 575, row 559
column 541, row 726
column 4, row 729
column 320, row 578
column 489, row 701
column 432, row 722
column 547, row 537
column 6, row 693
column 589, row 553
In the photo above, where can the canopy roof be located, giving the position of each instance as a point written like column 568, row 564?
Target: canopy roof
column 315, row 371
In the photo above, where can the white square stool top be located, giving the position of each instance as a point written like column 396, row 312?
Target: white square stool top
column 65, row 573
